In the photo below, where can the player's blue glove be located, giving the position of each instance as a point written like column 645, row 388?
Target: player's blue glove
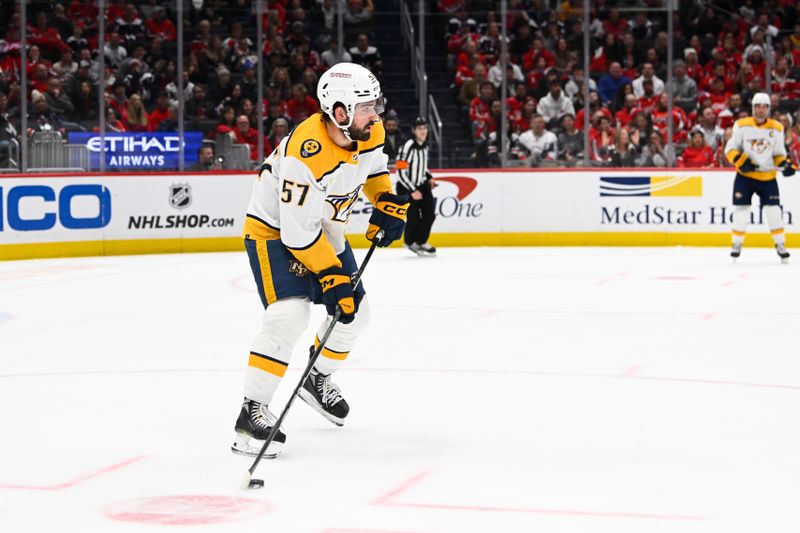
column 747, row 166
column 389, row 215
column 788, row 168
column 338, row 291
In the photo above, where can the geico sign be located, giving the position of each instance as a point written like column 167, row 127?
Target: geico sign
column 60, row 210
column 144, row 143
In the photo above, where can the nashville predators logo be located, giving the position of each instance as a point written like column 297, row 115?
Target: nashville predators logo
column 343, row 204
column 297, row 268
column 309, row 148
column 759, row 146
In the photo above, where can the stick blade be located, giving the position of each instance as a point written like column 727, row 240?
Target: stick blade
column 249, row 483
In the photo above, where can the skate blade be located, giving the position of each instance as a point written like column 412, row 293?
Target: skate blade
column 249, row 447
column 309, row 399
column 785, row 260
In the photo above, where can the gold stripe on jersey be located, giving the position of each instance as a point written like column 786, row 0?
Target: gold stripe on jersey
column 376, row 185
column 266, row 272
column 738, row 233
column 777, row 231
column 778, row 160
column 328, row 156
column 331, row 354
column 770, row 123
column 267, row 364
column 318, row 255
column 259, row 230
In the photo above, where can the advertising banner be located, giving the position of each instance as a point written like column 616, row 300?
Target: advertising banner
column 122, row 207
column 137, row 213
column 137, row 151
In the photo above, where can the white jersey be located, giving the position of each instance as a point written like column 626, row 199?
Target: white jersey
column 762, row 144
column 307, row 188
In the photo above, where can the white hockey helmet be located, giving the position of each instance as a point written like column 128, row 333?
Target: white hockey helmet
column 760, row 98
column 348, row 84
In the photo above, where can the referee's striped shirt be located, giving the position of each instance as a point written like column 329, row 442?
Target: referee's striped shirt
column 412, row 164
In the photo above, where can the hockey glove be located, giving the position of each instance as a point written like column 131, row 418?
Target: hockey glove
column 788, row 168
column 337, row 291
column 747, row 166
column 389, row 215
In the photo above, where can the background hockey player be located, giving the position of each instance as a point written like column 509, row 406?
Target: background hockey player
column 757, row 150
column 295, row 238
column 414, row 179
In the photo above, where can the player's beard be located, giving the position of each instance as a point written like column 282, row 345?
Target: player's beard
column 359, row 134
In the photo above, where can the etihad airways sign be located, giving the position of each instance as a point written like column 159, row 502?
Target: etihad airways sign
column 157, row 150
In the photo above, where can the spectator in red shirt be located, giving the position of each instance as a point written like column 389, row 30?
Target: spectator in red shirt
column 160, row 26
column 594, row 108
column 615, row 24
column 783, row 82
column 161, row 112
column 530, row 58
column 226, row 124
column 649, row 99
column 719, row 96
column 118, row 99
column 693, row 68
column 480, row 107
column 246, row 135
column 659, row 117
column 35, row 59
column 83, row 11
column 134, row 116
column 40, row 78
column 628, row 111
column 301, row 106
column 698, row 153
column 46, row 37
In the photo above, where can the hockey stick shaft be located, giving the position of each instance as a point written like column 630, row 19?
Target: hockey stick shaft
column 355, row 280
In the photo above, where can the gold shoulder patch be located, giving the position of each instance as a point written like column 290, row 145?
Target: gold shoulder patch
column 310, row 147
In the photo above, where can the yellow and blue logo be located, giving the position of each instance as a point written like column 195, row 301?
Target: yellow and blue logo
column 651, row 186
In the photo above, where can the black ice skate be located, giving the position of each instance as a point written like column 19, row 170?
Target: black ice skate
column 736, row 251
column 782, row 253
column 252, row 429
column 324, row 397
column 427, row 250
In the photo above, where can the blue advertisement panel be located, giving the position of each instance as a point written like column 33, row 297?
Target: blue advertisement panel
column 139, row 151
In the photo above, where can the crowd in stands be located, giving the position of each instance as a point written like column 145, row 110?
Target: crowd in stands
column 721, row 53
column 140, row 69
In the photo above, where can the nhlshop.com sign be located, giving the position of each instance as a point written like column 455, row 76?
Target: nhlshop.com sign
column 130, row 151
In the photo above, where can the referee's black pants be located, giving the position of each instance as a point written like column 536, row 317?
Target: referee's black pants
column 420, row 215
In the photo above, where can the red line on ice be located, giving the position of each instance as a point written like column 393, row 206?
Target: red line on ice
column 80, row 479
column 388, row 500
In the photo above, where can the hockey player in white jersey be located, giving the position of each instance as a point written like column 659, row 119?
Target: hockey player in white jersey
column 757, row 150
column 295, row 238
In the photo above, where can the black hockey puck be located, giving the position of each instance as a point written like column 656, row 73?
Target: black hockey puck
column 256, row 484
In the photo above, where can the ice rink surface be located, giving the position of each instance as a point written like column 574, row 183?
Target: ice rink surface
column 496, row 390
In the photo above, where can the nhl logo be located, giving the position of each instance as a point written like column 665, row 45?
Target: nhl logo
column 297, row 268
column 180, row 195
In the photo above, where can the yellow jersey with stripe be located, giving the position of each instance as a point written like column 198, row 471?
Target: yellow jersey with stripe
column 761, row 143
column 307, row 187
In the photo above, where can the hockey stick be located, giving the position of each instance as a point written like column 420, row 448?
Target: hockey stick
column 248, row 482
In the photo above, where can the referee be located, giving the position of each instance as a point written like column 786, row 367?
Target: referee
column 415, row 181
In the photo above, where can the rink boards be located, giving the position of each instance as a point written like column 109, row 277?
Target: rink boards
column 109, row 214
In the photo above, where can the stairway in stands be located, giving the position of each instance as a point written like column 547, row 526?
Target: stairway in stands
column 398, row 86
